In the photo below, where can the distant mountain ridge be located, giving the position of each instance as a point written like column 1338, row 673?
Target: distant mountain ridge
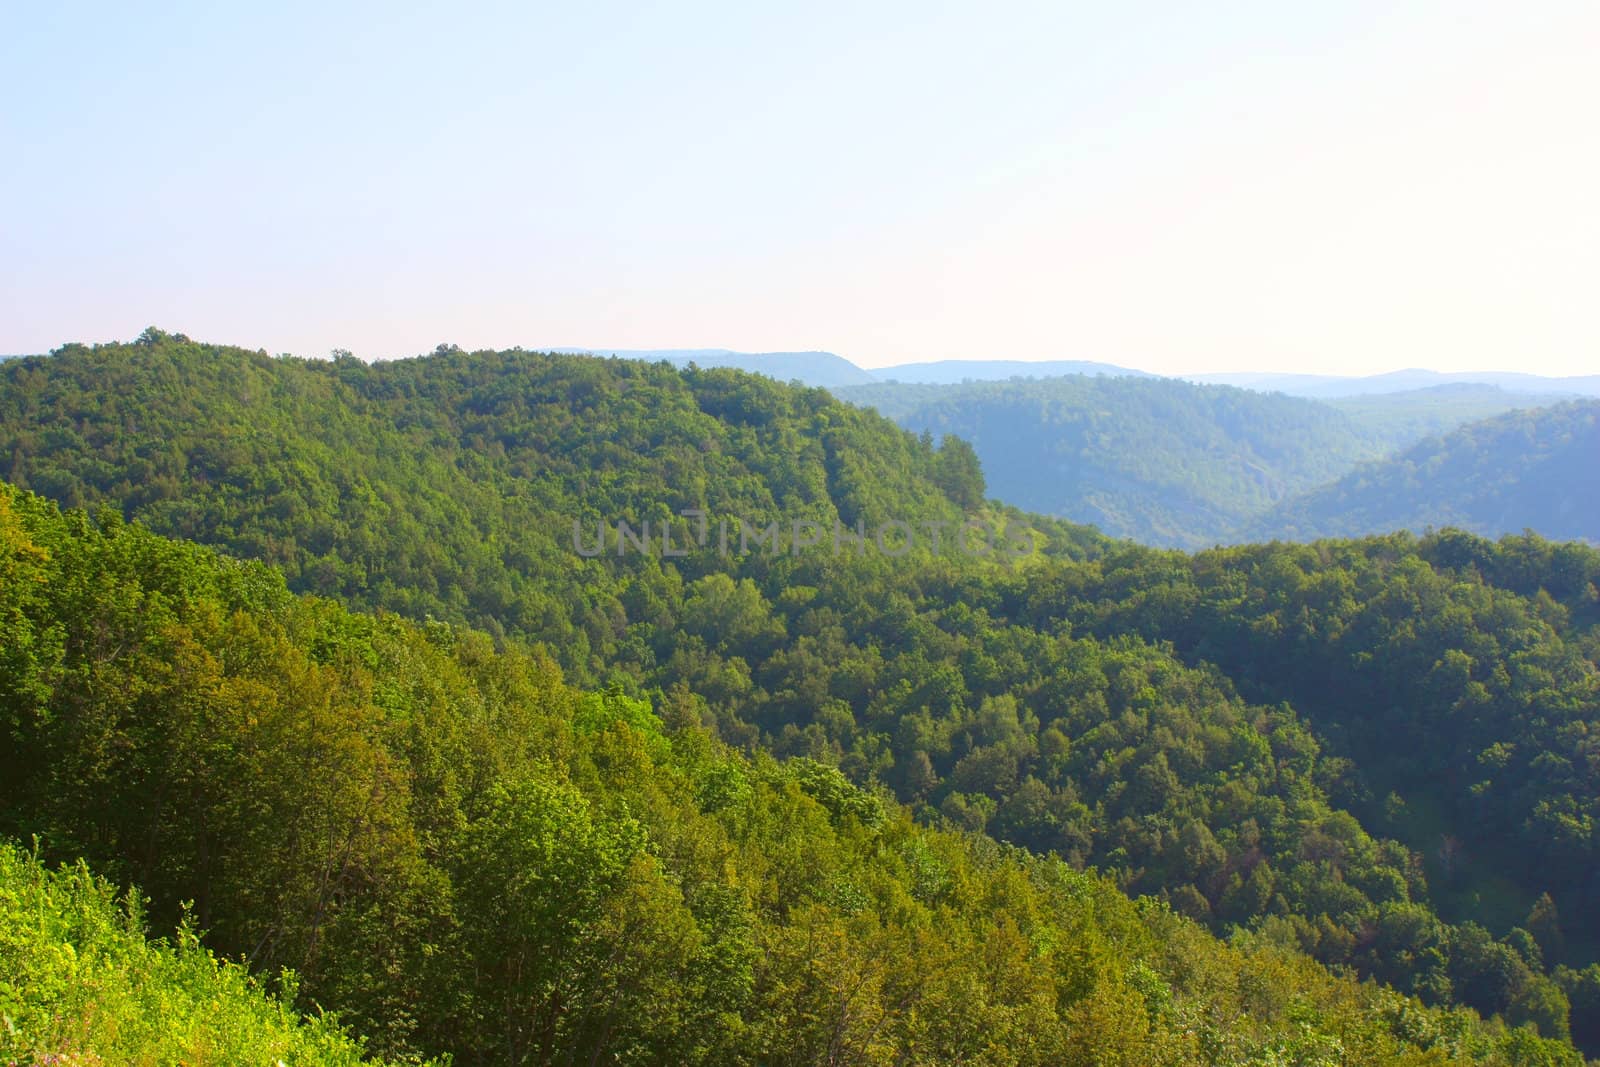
column 1398, row 420
column 1161, row 461
column 822, row 369
column 828, row 370
column 955, row 371
column 818, row 369
column 1521, row 470
column 1179, row 464
column 1322, row 386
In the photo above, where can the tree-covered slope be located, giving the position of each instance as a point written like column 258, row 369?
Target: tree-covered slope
column 1161, row 461
column 463, row 855
column 904, row 670
column 1166, row 462
column 1456, row 677
column 1522, row 470
column 445, row 486
column 1399, row 420
column 452, row 486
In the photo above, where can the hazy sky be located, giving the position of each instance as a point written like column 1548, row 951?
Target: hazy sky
column 1339, row 187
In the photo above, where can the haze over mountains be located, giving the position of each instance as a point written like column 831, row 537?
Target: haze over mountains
column 827, row 370
column 1327, row 385
column 814, row 368
column 1161, row 461
column 1173, row 463
column 1219, row 458
column 953, row 371
column 1524, row 470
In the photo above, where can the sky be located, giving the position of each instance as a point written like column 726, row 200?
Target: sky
column 1335, row 188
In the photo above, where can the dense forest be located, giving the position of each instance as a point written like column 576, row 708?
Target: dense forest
column 1171, row 463
column 1521, row 470
column 1376, row 754
column 462, row 854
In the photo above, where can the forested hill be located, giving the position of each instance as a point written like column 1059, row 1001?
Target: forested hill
column 1161, row 461
column 1171, row 463
column 1535, row 470
column 1214, row 731
column 463, row 856
column 450, row 485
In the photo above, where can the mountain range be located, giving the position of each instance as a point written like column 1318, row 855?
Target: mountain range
column 1173, row 463
column 813, row 368
column 1188, row 463
column 1523, row 470
column 827, row 370
column 1327, row 385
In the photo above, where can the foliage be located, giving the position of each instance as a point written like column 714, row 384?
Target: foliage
column 452, row 486
column 1350, row 749
column 79, row 984
column 1458, row 677
column 457, row 852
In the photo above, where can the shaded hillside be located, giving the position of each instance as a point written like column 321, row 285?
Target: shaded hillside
column 1161, row 461
column 1536, row 470
column 1456, row 675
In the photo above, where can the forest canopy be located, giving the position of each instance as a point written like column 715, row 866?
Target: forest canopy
column 1375, row 755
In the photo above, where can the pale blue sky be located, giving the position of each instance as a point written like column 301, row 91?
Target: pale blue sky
column 1341, row 187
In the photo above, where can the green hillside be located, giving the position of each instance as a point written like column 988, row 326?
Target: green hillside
column 1523, row 470
column 1160, row 461
column 1205, row 730
column 1167, row 462
column 462, row 855
column 450, row 486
